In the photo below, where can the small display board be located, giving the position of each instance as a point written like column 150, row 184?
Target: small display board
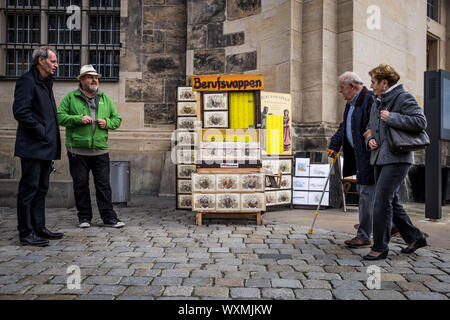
column 309, row 182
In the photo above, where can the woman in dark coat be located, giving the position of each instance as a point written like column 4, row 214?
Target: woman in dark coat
column 391, row 168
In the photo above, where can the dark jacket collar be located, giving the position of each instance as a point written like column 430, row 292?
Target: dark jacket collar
column 386, row 98
column 39, row 78
column 361, row 96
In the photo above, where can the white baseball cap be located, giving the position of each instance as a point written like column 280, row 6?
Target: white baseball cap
column 88, row 69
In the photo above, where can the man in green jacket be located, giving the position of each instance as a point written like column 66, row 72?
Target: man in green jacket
column 88, row 114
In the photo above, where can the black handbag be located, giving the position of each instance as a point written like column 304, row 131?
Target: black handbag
column 401, row 141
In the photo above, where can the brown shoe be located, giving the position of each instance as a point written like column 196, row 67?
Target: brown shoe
column 357, row 242
column 395, row 232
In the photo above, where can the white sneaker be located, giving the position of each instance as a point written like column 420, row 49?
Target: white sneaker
column 84, row 225
column 114, row 223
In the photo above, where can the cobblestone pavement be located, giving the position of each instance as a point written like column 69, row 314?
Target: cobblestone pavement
column 162, row 254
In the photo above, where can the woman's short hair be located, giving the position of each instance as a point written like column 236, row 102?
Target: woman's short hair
column 385, row 72
column 41, row 52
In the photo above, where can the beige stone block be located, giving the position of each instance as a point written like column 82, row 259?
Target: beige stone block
column 330, row 15
column 312, row 46
column 345, row 47
column 329, row 104
column 329, row 46
column 296, row 45
column 312, row 74
column 276, row 50
column 367, row 50
column 132, row 115
column 283, row 72
column 297, row 113
column 270, row 79
column 330, row 74
column 296, row 76
column 267, row 5
column 345, row 16
column 312, row 15
column 312, row 105
column 296, row 15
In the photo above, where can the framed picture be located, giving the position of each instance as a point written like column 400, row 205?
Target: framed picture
column 185, row 171
column 184, row 186
column 227, row 182
column 185, row 138
column 185, row 201
column 186, row 156
column 187, row 123
column 203, row 182
column 231, row 154
column 186, row 94
column 211, row 154
column 285, row 166
column 217, row 119
column 269, row 166
column 302, row 167
column 253, row 202
column 317, row 184
column 300, row 183
column 300, row 197
column 252, row 182
column 251, row 154
column 284, row 197
column 271, row 198
column 215, row 101
column 319, row 170
column 286, row 182
column 185, row 108
column 204, row 202
column 314, row 198
column 230, row 201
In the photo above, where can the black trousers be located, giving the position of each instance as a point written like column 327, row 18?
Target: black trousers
column 80, row 166
column 33, row 187
column 387, row 208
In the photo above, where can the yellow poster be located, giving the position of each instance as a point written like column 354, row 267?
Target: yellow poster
column 274, row 134
column 278, row 104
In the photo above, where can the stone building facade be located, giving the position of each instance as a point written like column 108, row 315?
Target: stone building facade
column 301, row 47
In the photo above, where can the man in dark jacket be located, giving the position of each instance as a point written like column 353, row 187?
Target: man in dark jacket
column 356, row 157
column 38, row 143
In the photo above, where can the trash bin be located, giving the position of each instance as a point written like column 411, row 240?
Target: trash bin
column 119, row 176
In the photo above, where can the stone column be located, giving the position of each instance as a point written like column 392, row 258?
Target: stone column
column 319, row 75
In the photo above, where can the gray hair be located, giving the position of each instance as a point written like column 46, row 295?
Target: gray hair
column 350, row 77
column 41, row 52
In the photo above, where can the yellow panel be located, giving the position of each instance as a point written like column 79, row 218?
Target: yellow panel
column 275, row 144
column 242, row 110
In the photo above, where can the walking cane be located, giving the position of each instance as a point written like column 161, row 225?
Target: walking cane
column 324, row 188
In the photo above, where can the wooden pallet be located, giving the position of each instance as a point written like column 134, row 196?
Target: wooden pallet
column 200, row 215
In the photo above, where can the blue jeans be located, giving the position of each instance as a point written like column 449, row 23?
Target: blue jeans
column 387, row 208
column 366, row 200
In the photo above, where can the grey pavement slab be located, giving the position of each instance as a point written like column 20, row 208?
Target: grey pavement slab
column 162, row 254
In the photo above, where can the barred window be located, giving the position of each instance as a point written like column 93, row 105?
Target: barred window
column 81, row 32
column 433, row 9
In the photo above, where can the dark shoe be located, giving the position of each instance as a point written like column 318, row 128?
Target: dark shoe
column 46, row 234
column 422, row 242
column 114, row 223
column 33, row 240
column 357, row 242
column 381, row 256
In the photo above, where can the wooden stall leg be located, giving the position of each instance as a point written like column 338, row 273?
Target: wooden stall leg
column 199, row 218
column 258, row 218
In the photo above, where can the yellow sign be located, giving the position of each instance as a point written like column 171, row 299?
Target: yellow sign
column 228, row 82
column 274, row 134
